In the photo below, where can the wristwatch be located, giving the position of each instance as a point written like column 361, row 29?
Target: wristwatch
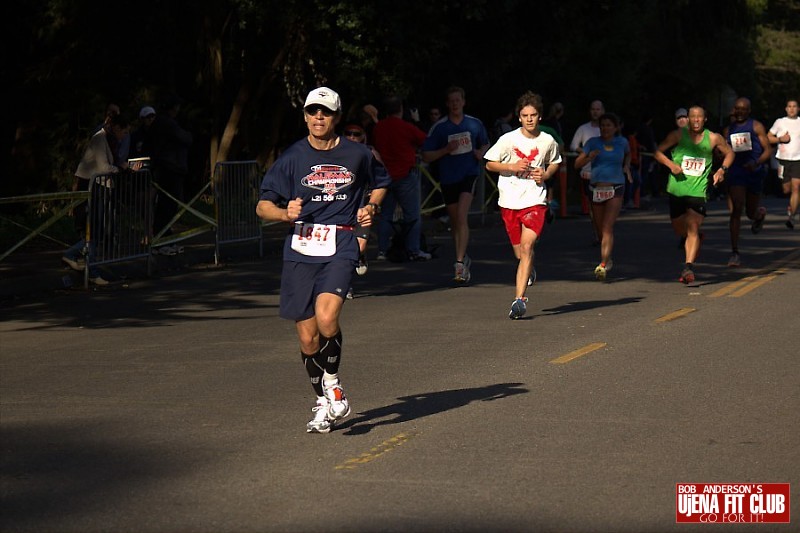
column 376, row 209
column 724, row 169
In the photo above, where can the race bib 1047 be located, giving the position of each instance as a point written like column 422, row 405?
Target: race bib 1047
column 317, row 240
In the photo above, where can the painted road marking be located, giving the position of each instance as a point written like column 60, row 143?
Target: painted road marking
column 381, row 449
column 752, row 286
column 680, row 313
column 566, row 358
column 732, row 287
column 769, row 273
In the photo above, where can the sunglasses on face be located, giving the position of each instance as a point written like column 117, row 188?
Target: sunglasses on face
column 312, row 110
column 353, row 133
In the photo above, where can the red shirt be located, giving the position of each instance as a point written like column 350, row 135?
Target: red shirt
column 634, row 145
column 397, row 141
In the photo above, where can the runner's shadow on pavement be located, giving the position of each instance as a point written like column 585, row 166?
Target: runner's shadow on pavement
column 572, row 307
column 426, row 404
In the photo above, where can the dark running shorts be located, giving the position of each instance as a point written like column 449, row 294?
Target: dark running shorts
column 791, row 170
column 752, row 181
column 301, row 283
column 452, row 191
column 680, row 205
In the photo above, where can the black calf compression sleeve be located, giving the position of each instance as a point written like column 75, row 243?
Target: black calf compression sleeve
column 314, row 368
column 330, row 348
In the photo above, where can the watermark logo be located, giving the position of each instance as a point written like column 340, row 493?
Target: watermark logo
column 726, row 503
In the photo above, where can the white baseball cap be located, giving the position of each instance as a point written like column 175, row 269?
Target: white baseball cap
column 146, row 112
column 324, row 97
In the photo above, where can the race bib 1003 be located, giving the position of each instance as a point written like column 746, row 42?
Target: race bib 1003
column 464, row 142
column 317, row 240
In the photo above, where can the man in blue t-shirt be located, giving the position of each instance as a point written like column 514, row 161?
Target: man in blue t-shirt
column 321, row 180
column 457, row 143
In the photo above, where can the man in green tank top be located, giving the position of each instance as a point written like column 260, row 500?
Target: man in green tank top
column 690, row 167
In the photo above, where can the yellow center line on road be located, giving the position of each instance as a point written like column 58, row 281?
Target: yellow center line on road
column 376, row 452
column 732, row 287
column 566, row 358
column 770, row 272
column 676, row 314
column 752, row 286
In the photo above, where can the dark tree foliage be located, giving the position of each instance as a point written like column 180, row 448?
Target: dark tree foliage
column 244, row 66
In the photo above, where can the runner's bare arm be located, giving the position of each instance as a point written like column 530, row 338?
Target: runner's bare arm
column 269, row 211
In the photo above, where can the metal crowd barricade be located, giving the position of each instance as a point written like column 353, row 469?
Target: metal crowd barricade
column 236, row 190
column 75, row 199
column 429, row 203
column 120, row 222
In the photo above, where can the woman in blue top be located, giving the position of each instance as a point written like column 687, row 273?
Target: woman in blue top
column 610, row 157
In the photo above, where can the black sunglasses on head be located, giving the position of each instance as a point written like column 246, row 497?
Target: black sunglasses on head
column 353, row 133
column 314, row 109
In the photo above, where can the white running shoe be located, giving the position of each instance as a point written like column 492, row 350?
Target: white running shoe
column 338, row 406
column 321, row 423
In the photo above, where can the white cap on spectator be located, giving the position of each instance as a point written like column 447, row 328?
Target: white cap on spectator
column 146, row 112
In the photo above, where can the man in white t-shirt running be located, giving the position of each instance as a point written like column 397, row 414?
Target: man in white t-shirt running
column 525, row 158
column 785, row 132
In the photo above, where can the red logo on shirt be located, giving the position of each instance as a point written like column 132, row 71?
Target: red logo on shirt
column 530, row 157
column 328, row 178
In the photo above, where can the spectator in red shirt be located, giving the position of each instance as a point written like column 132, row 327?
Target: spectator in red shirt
column 398, row 142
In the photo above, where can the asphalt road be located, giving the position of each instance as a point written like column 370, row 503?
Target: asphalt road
column 179, row 403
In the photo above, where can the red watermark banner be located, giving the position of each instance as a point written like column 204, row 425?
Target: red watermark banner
column 726, row 503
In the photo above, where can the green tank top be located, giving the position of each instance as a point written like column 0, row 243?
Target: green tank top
column 695, row 160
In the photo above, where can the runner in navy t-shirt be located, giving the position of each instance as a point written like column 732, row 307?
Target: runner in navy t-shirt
column 321, row 180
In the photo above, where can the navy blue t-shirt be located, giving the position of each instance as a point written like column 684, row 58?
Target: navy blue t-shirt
column 331, row 183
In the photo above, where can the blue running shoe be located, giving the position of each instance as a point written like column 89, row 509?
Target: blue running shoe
column 518, row 308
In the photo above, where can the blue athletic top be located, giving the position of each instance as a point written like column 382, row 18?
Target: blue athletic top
column 607, row 166
column 471, row 134
column 332, row 184
column 743, row 155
